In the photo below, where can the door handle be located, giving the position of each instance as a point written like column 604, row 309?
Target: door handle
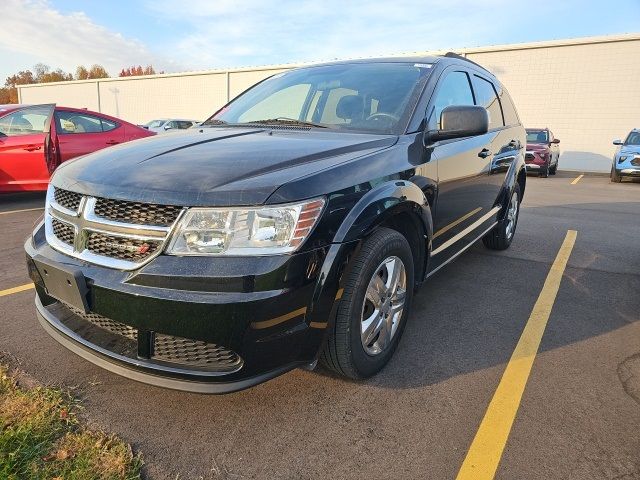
column 112, row 142
column 31, row 148
column 484, row 153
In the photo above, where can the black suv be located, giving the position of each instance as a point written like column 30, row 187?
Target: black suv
column 294, row 225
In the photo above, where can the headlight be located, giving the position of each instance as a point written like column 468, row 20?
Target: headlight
column 622, row 158
column 245, row 231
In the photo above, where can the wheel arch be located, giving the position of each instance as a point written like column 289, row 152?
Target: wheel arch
column 401, row 206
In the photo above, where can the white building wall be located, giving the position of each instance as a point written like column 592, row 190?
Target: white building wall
column 588, row 95
column 585, row 90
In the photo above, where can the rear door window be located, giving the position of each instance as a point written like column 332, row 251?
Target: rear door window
column 71, row 123
column 486, row 96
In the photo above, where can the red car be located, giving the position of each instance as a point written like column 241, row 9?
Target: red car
column 543, row 152
column 35, row 139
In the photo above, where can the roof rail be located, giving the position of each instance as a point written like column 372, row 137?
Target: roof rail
column 460, row 57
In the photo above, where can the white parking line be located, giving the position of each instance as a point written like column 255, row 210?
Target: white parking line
column 22, row 210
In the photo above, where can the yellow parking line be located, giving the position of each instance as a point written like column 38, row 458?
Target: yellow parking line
column 23, row 210
column 21, row 288
column 486, row 449
column 577, row 179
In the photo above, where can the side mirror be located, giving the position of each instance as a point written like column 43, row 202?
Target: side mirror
column 168, row 127
column 458, row 121
column 555, row 140
column 617, row 142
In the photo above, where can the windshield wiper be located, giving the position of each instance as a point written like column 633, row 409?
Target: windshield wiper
column 287, row 121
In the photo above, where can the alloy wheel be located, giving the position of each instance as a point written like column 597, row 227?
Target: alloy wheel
column 512, row 216
column 383, row 305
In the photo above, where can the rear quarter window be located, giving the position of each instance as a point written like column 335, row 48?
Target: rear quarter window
column 508, row 108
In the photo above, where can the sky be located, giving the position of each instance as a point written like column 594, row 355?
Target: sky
column 183, row 35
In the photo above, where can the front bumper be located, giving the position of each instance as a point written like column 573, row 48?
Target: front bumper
column 534, row 160
column 272, row 313
column 630, row 172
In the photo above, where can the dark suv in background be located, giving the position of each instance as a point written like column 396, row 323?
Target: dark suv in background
column 295, row 225
column 543, row 152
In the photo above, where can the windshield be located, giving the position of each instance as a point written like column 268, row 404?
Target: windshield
column 155, row 123
column 365, row 97
column 537, row 136
column 633, row 139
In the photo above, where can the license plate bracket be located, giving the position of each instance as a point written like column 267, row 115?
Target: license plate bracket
column 67, row 284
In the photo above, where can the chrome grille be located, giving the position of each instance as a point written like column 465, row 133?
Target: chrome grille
column 63, row 231
column 136, row 212
column 170, row 349
column 121, row 247
column 67, row 199
column 117, row 234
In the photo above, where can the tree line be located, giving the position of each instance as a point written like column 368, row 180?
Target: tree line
column 42, row 73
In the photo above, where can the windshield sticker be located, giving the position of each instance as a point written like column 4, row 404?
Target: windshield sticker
column 423, row 65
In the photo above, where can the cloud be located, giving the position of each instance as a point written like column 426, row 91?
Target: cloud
column 33, row 28
column 230, row 33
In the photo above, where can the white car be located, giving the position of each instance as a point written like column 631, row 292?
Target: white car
column 166, row 124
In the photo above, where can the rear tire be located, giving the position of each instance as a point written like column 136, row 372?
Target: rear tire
column 352, row 349
column 501, row 236
column 615, row 176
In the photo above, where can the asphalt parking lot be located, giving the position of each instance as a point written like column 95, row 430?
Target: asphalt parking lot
column 578, row 418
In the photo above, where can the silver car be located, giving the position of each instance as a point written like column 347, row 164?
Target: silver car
column 626, row 161
column 165, row 124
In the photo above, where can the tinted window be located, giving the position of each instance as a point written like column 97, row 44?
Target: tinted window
column 455, row 89
column 24, row 122
column 486, row 96
column 359, row 97
column 508, row 109
column 108, row 125
column 74, row 122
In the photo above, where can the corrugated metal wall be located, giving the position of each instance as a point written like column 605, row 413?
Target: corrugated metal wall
column 585, row 90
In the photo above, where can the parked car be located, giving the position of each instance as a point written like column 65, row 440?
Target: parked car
column 543, row 152
column 166, row 124
column 35, row 139
column 294, row 225
column 626, row 161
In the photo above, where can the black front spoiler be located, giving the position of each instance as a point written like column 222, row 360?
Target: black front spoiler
column 139, row 370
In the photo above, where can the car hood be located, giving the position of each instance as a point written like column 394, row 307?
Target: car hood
column 217, row 166
column 629, row 150
column 535, row 147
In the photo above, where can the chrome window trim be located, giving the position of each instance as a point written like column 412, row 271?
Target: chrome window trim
column 85, row 221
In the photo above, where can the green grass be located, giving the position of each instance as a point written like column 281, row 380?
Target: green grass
column 42, row 438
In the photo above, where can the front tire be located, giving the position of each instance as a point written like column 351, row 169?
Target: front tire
column 615, row 176
column 544, row 171
column 374, row 307
column 500, row 237
column 553, row 170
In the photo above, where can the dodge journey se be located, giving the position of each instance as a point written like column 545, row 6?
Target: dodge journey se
column 293, row 226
